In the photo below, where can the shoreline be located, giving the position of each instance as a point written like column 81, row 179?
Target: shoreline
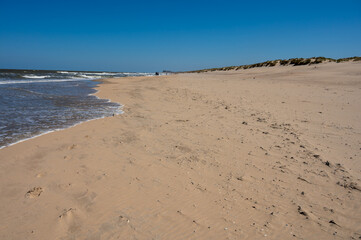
column 251, row 154
column 118, row 111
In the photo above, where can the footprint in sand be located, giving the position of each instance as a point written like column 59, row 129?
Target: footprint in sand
column 34, row 193
column 67, row 213
column 41, row 174
column 72, row 147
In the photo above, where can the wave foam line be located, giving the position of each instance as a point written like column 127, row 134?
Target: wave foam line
column 43, row 81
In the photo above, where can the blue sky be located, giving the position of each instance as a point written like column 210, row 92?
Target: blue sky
column 173, row 35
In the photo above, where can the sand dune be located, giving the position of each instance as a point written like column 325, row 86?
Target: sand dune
column 264, row 153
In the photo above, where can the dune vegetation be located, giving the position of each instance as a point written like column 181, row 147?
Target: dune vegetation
column 281, row 62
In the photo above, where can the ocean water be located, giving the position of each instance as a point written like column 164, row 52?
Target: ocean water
column 34, row 102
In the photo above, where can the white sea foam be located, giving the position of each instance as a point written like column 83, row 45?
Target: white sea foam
column 89, row 76
column 103, row 73
column 42, row 81
column 34, row 76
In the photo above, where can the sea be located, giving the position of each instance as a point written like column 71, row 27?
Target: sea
column 35, row 102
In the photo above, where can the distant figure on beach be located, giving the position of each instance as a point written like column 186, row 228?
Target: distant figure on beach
column 157, row 73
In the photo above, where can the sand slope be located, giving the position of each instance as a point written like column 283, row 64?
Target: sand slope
column 265, row 153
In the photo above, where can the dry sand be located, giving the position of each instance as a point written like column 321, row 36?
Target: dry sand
column 264, row 153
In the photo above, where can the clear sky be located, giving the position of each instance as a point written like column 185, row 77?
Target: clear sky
column 173, row 35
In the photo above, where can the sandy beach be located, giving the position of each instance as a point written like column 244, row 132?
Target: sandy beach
column 262, row 153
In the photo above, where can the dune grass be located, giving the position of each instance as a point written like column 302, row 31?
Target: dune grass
column 281, row 62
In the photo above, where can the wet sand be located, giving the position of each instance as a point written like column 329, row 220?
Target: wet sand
column 263, row 153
